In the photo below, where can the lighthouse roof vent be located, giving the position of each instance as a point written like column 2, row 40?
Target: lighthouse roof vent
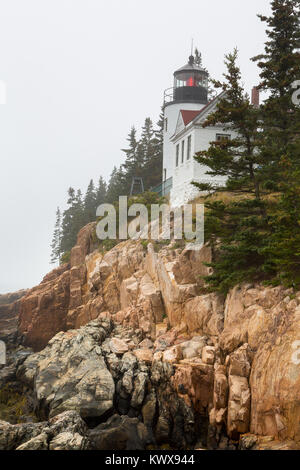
column 192, row 65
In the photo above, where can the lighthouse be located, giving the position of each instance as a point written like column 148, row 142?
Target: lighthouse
column 186, row 108
column 189, row 93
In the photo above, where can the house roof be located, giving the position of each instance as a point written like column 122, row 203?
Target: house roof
column 188, row 116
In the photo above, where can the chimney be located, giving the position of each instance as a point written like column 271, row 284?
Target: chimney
column 255, row 97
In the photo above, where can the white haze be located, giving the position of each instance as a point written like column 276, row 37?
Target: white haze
column 79, row 74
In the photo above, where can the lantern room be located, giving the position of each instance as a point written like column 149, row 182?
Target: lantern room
column 191, row 83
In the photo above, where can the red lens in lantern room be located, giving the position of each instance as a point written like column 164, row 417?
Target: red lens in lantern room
column 191, row 81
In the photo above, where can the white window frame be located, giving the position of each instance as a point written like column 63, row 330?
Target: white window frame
column 182, row 150
column 177, row 155
column 189, row 148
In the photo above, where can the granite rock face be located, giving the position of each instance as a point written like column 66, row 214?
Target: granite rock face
column 44, row 309
column 9, row 315
column 70, row 373
column 64, row 432
column 133, row 333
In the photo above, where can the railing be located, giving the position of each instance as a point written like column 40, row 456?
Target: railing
column 164, row 188
column 169, row 95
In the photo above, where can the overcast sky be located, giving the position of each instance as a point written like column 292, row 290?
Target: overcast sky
column 79, row 74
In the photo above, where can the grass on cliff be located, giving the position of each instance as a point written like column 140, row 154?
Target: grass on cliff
column 14, row 406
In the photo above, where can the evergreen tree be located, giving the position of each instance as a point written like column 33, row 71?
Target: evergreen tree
column 78, row 218
column 259, row 236
column 240, row 224
column 280, row 146
column 153, row 167
column 115, row 186
column 282, row 249
column 90, row 203
column 73, row 220
column 147, row 152
column 67, row 221
column 159, row 132
column 279, row 68
column 235, row 158
column 143, row 158
column 101, row 192
column 198, row 58
column 56, row 241
column 130, row 161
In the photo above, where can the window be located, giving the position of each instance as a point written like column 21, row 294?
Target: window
column 191, row 79
column 189, row 147
column 222, row 137
column 182, row 151
column 165, row 174
column 177, row 154
column 166, row 124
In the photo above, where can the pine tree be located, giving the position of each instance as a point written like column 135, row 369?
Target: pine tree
column 67, row 222
column 101, row 192
column 90, row 203
column 78, row 218
column 128, row 168
column 159, row 132
column 235, row 158
column 153, row 167
column 73, row 220
column 279, row 68
column 56, row 241
column 198, row 58
column 280, row 146
column 147, row 152
column 239, row 225
column 115, row 186
column 260, row 236
column 282, row 249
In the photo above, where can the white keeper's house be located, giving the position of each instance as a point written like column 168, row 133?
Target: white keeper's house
column 186, row 107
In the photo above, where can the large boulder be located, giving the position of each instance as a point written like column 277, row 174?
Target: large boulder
column 160, row 267
column 12, row 436
column 63, row 432
column 119, row 433
column 71, row 374
column 205, row 314
column 190, row 268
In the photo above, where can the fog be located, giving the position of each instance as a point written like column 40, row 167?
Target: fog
column 79, row 74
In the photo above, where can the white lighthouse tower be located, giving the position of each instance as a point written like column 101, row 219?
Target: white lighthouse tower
column 190, row 92
column 186, row 109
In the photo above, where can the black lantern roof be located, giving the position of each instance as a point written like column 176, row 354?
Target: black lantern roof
column 191, row 66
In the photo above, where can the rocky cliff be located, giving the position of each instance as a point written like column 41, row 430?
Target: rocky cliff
column 9, row 314
column 130, row 342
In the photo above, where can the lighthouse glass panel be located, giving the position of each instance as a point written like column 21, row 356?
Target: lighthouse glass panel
column 191, row 79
